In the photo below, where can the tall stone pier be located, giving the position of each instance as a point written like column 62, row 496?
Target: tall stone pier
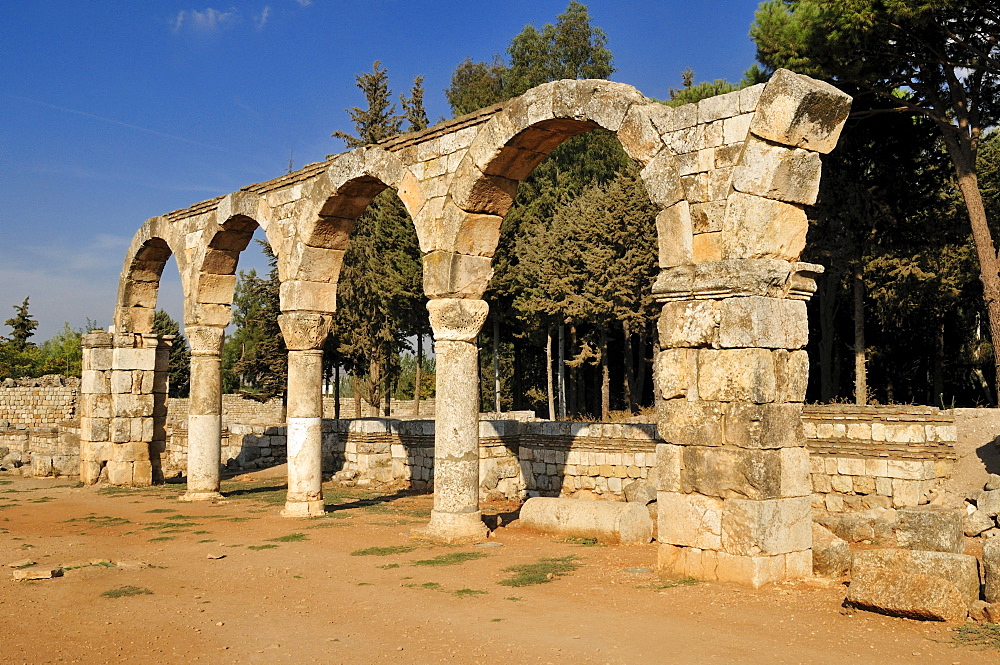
column 204, row 413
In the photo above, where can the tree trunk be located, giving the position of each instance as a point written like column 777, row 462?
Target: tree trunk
column 418, row 375
column 860, row 373
column 629, row 368
column 640, row 370
column 827, row 335
column 572, row 389
column 548, row 371
column 656, row 390
column 336, row 391
column 605, row 378
column 387, row 386
column 496, row 362
column 357, row 395
column 938, row 377
column 989, row 268
column 562, row 371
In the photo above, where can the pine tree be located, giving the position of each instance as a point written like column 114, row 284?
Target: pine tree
column 413, row 106
column 378, row 120
column 22, row 325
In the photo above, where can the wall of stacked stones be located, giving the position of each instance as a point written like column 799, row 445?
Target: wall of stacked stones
column 38, row 406
column 243, row 411
column 877, row 457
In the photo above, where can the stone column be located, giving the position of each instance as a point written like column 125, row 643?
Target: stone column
column 95, row 405
column 304, row 334
column 456, row 516
column 204, row 453
column 735, row 491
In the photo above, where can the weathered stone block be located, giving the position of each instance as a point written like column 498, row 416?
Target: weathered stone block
column 696, row 423
column 778, row 172
column 718, row 107
column 745, row 375
column 708, row 217
column 688, row 323
column 775, row 526
column 754, row 571
column 674, row 372
column 831, row 555
column 913, row 583
column 991, row 570
column 674, row 235
column 758, row 227
column 638, row 133
column 932, row 529
column 757, row 321
column 729, row 472
column 134, row 358
column 662, row 180
column 799, row 111
column 691, row 520
column 447, row 274
column 706, row 247
column 668, row 467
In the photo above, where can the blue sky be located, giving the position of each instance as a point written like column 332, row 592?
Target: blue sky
column 114, row 112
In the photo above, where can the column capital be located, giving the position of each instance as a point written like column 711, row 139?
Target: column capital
column 205, row 340
column 456, row 319
column 304, row 331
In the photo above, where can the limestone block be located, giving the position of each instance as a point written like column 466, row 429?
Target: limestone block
column 684, row 116
column 99, row 359
column 133, row 406
column 991, row 570
column 757, row 227
column 120, row 473
column 307, row 296
column 989, row 503
column 95, row 429
column 908, row 469
column 121, row 430
column 448, row 274
column 121, row 381
column 662, row 180
column 216, row 288
column 668, row 467
column 601, row 101
column 907, row 493
column 831, row 555
column 799, row 111
column 691, row 520
column 708, row 217
column 718, row 107
column 686, row 422
column 745, row 375
column 674, row 372
column 696, row 186
column 124, row 358
column 673, row 230
column 736, row 128
column 719, row 182
column 729, row 472
column 706, row 247
column 778, row 172
column 675, row 561
column 763, row 322
column 688, row 323
column 754, row 571
column 775, row 526
column 638, row 133
column 911, row 583
column 475, row 191
column 931, row 529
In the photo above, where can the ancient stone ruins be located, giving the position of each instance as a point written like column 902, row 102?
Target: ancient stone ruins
column 731, row 175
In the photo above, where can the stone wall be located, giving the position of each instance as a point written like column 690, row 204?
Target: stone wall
column 41, row 451
column 237, row 409
column 877, row 457
column 38, row 405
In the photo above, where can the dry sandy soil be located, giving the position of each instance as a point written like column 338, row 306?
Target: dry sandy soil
column 278, row 597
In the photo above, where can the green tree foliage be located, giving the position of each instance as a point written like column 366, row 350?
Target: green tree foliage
column 22, row 325
column 380, row 301
column 63, row 352
column 944, row 53
column 180, row 354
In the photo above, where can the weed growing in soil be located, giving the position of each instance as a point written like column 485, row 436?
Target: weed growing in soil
column 544, row 571
column 129, row 590
column 290, row 538
column 582, row 542
column 389, row 566
column 261, row 547
column 468, row 593
column 384, row 551
column 450, row 559
column 978, row 634
column 669, row 584
column 161, row 539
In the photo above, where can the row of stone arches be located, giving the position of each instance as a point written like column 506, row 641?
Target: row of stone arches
column 730, row 175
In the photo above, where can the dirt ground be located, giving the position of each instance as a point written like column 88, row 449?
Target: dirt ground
column 235, row 583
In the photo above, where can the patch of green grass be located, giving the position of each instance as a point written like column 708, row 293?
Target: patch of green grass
column 545, row 570
column 513, row 598
column 468, row 593
column 261, row 547
column 6, row 482
column 99, row 520
column 384, row 551
column 161, row 510
column 25, row 565
column 498, row 620
column 978, row 634
column 290, row 538
column 44, row 499
column 582, row 542
column 450, row 559
column 669, row 584
column 207, row 540
column 161, row 539
column 364, row 584
column 389, row 566
column 129, row 590
column 199, row 533
column 239, row 519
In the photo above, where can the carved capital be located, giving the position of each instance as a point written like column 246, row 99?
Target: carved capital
column 205, row 340
column 304, row 331
column 457, row 319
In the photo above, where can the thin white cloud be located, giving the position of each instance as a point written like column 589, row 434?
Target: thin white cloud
column 261, row 19
column 206, row 20
column 304, row 3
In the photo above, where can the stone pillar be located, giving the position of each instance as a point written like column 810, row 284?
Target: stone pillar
column 456, row 516
column 734, row 488
column 124, row 407
column 304, row 334
column 204, row 454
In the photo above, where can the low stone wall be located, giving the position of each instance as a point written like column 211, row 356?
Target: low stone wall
column 44, row 402
column 237, row 409
column 41, row 451
column 877, row 457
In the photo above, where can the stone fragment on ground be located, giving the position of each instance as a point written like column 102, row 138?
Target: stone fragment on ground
column 831, row 554
column 940, row 586
column 640, row 491
column 989, row 502
column 991, row 570
column 43, row 573
column 993, row 482
column 932, row 529
column 976, row 523
column 21, row 563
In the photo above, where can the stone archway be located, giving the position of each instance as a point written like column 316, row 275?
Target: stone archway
column 731, row 176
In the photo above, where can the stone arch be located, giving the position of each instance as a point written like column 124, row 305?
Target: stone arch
column 310, row 263
column 139, row 284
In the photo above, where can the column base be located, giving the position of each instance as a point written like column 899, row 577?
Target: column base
column 314, row 508
column 201, row 496
column 711, row 565
column 454, row 528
